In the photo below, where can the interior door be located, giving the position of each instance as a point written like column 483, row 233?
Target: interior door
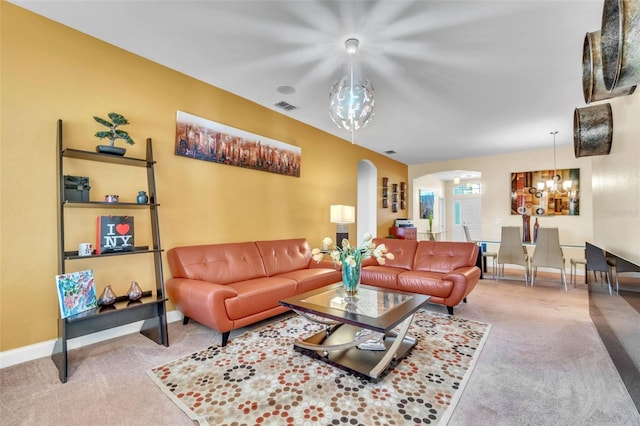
column 467, row 211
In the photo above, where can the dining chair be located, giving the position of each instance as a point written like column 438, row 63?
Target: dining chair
column 485, row 254
column 597, row 262
column 548, row 254
column 512, row 252
column 574, row 269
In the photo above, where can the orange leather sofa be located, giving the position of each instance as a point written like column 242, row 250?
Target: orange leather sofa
column 444, row 270
column 228, row 286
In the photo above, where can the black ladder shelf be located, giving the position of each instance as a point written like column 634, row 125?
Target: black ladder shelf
column 152, row 307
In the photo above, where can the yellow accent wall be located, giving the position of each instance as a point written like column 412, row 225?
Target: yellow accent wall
column 49, row 71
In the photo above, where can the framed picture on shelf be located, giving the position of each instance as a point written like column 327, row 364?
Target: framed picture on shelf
column 394, row 188
column 394, row 197
column 76, row 292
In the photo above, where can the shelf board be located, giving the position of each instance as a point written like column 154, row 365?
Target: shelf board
column 71, row 255
column 105, row 158
column 95, row 204
column 115, row 308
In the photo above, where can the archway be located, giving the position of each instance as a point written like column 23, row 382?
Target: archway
column 366, row 211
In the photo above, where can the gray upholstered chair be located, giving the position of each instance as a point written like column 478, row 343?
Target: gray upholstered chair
column 512, row 252
column 548, row 254
column 597, row 262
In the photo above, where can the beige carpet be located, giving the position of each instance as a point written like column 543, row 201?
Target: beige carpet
column 543, row 364
column 259, row 379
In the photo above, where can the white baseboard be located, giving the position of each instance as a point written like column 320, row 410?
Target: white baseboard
column 45, row 349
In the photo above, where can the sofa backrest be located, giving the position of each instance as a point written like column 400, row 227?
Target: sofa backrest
column 444, row 256
column 217, row 263
column 403, row 251
column 281, row 256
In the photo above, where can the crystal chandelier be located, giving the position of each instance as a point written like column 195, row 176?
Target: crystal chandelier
column 351, row 98
column 553, row 185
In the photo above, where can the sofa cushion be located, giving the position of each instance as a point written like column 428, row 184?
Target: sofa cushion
column 381, row 276
column 403, row 252
column 311, row 279
column 258, row 295
column 444, row 256
column 430, row 283
column 280, row 256
column 217, row 263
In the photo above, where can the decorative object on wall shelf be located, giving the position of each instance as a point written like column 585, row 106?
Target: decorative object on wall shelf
column 113, row 134
column 385, row 192
column 142, row 197
column 593, row 87
column 620, row 43
column 403, row 195
column 76, row 188
column 207, row 140
column 115, row 234
column 111, row 198
column 592, row 130
column 107, row 297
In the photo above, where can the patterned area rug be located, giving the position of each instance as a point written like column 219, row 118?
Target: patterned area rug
column 258, row 378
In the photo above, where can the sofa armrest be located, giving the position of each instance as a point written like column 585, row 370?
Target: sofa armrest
column 464, row 280
column 202, row 301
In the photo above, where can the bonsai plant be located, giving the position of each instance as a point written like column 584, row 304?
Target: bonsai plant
column 113, row 134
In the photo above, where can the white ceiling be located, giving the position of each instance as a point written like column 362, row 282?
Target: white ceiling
column 452, row 79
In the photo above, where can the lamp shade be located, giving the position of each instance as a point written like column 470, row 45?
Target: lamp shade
column 343, row 214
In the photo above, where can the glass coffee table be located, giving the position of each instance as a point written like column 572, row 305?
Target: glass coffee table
column 365, row 335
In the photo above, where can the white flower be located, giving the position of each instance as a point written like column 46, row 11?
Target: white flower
column 346, row 253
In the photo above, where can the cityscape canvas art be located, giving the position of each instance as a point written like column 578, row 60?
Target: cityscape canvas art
column 207, row 140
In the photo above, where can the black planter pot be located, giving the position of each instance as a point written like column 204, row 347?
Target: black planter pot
column 113, row 150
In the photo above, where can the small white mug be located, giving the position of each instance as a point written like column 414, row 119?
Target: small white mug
column 84, row 249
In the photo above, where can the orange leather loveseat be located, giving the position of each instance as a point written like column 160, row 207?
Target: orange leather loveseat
column 444, row 270
column 228, row 286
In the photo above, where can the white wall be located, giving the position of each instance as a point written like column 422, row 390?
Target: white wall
column 616, row 183
column 496, row 190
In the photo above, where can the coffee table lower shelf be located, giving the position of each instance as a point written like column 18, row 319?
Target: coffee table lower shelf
column 362, row 362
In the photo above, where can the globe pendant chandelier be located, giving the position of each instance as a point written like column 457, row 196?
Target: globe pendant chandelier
column 351, row 98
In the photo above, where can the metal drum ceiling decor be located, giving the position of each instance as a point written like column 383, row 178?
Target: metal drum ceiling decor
column 592, row 81
column 592, row 130
column 620, row 43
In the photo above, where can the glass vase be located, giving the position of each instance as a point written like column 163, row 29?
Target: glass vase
column 107, row 297
column 134, row 292
column 351, row 277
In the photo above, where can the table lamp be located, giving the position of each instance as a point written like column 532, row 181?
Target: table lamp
column 342, row 216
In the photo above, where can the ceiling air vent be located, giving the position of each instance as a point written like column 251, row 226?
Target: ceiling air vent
column 389, row 151
column 286, row 106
